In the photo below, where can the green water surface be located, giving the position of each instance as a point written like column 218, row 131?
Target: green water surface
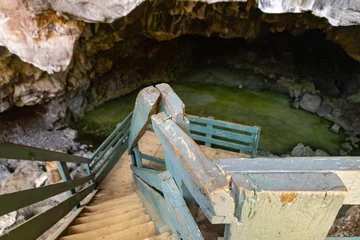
column 282, row 126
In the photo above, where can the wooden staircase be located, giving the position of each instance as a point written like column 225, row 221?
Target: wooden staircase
column 116, row 211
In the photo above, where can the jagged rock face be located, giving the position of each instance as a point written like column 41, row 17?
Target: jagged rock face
column 46, row 40
column 69, row 59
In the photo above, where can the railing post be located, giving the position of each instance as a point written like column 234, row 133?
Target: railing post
column 65, row 176
column 209, row 126
column 137, row 156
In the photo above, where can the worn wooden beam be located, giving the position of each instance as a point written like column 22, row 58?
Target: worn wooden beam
column 282, row 206
column 22, row 152
column 347, row 168
column 203, row 179
column 13, row 201
column 178, row 209
column 172, row 105
column 146, row 105
column 37, row 225
column 158, row 202
column 151, row 177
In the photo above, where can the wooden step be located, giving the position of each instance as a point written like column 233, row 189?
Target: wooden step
column 138, row 203
column 162, row 236
column 108, row 204
column 111, row 213
column 112, row 196
column 138, row 232
column 110, row 229
column 84, row 227
column 129, row 197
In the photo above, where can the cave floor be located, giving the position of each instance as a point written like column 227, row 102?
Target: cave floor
column 282, row 125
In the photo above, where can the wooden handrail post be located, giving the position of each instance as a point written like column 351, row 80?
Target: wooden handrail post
column 65, row 176
column 209, row 126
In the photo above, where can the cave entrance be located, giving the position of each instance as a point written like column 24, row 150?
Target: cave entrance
column 254, row 82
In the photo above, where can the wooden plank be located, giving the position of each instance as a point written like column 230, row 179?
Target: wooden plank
column 119, row 150
column 172, row 105
column 222, row 124
column 153, row 159
column 203, row 179
column 146, row 105
column 347, row 168
column 208, row 128
column 121, row 135
column 118, row 128
column 179, row 210
column 37, row 225
column 65, row 175
column 137, row 154
column 223, row 143
column 282, row 206
column 158, row 202
column 99, row 163
column 222, row 133
column 22, row 152
column 13, row 201
column 256, row 145
column 151, row 177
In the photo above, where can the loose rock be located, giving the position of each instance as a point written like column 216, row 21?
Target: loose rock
column 335, row 128
column 310, row 102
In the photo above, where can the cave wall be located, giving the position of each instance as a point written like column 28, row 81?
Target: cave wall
column 66, row 62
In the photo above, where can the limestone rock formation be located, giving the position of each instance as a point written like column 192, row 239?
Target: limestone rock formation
column 45, row 40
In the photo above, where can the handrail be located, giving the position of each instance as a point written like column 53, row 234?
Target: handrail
column 104, row 158
column 118, row 128
column 22, row 152
column 13, row 201
column 37, row 225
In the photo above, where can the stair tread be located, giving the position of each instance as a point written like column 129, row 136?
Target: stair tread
column 84, row 227
column 161, row 236
column 103, row 215
column 112, row 208
column 131, row 196
column 102, row 206
column 109, row 229
column 138, row 232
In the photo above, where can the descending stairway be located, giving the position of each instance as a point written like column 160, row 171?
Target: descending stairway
column 116, row 211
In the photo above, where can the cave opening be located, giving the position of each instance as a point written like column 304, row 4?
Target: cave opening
column 244, row 81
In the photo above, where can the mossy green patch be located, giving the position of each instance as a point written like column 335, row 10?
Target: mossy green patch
column 282, row 126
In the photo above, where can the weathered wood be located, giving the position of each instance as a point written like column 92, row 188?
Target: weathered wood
column 37, row 225
column 158, row 202
column 120, row 136
column 178, row 209
column 110, row 162
column 171, row 104
column 236, row 146
column 230, row 135
column 104, row 144
column 21, row 152
column 347, row 168
column 221, row 133
column 151, row 177
column 208, row 129
column 203, row 179
column 137, row 155
column 146, row 105
column 223, row 124
column 65, row 175
column 153, row 159
column 13, row 201
column 282, row 206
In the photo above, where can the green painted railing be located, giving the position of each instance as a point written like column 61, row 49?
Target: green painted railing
column 103, row 160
